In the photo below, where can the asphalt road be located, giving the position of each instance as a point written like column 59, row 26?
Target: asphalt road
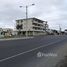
column 24, row 52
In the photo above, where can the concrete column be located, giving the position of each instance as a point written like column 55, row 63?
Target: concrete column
column 33, row 33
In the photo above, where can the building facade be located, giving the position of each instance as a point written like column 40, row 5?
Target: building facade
column 1, row 35
column 30, row 26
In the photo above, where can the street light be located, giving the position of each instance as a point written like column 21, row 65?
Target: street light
column 26, row 13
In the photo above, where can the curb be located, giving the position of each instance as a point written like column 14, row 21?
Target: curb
column 15, row 38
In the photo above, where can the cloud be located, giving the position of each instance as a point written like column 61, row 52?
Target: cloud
column 54, row 11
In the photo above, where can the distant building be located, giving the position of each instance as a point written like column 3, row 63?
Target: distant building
column 7, row 31
column 50, row 31
column 65, row 31
column 30, row 26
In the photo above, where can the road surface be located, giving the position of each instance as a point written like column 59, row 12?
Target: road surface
column 41, row 51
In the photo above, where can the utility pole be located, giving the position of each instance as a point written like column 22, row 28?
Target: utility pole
column 59, row 30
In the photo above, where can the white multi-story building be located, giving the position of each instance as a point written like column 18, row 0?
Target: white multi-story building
column 30, row 26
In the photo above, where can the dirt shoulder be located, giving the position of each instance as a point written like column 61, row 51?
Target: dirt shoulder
column 62, row 53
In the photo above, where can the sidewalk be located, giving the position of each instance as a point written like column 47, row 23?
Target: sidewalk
column 3, row 39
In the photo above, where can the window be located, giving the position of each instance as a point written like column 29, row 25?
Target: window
column 21, row 20
column 19, row 27
column 17, row 21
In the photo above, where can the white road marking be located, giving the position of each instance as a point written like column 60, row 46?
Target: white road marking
column 28, row 51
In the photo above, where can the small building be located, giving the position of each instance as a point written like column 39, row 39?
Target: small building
column 7, row 31
column 30, row 26
column 14, row 32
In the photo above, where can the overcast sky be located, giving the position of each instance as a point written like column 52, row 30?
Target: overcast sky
column 54, row 11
